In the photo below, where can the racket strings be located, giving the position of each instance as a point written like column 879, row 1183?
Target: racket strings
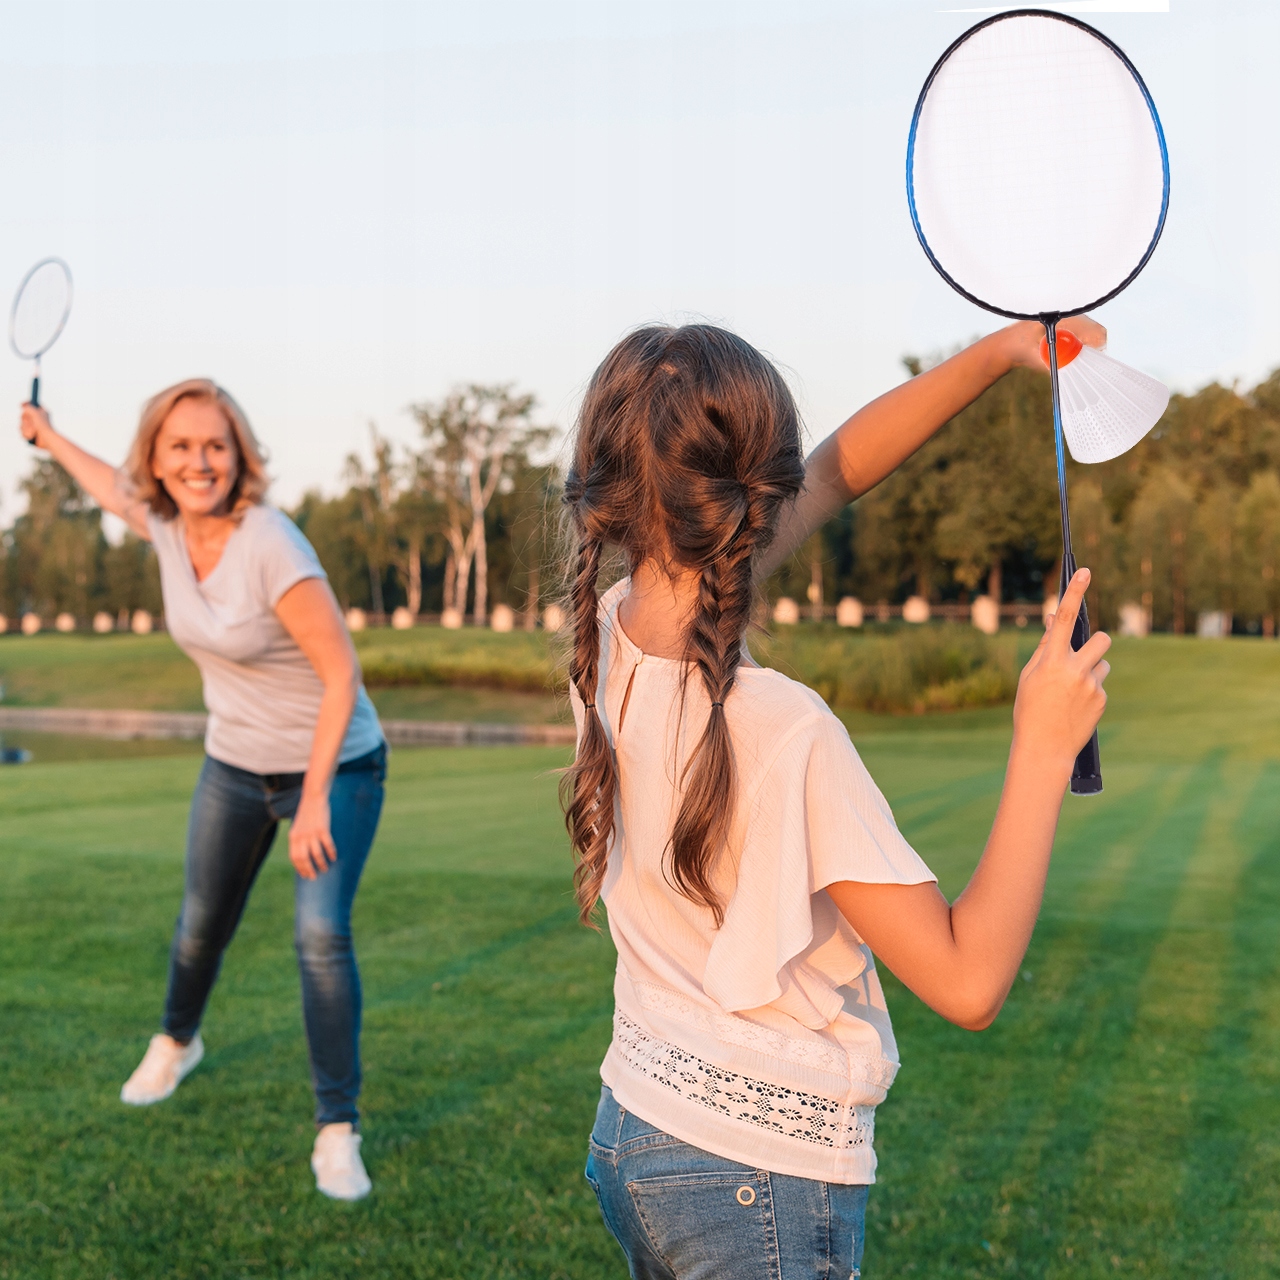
column 40, row 310
column 1037, row 171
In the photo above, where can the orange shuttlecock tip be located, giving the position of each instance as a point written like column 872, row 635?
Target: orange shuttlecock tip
column 1068, row 348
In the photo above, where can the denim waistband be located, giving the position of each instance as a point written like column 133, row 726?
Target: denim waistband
column 375, row 759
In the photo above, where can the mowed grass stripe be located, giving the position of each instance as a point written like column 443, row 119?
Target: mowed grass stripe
column 1012, row 1095
column 1142, row 1137
column 1026, row 1095
column 1235, row 1165
column 1103, row 1024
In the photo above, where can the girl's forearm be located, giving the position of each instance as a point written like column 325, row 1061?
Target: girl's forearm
column 993, row 919
column 885, row 433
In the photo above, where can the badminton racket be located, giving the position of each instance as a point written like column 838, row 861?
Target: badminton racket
column 1038, row 184
column 39, row 314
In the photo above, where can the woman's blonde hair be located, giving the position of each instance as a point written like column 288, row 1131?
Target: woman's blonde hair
column 251, row 482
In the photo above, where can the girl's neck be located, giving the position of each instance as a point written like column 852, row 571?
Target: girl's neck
column 657, row 608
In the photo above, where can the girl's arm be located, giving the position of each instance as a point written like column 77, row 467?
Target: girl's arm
column 885, row 433
column 97, row 478
column 310, row 615
column 961, row 959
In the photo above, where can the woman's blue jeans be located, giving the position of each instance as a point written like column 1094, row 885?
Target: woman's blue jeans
column 234, row 816
column 681, row 1213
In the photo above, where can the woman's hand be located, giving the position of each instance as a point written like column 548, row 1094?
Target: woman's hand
column 311, row 847
column 1060, row 695
column 34, row 423
column 1022, row 340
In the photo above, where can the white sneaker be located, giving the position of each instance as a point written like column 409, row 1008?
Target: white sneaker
column 335, row 1160
column 161, row 1070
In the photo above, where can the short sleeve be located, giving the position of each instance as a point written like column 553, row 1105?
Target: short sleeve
column 850, row 832
column 282, row 555
column 816, row 818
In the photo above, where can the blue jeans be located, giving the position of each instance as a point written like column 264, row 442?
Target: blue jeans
column 680, row 1213
column 234, row 816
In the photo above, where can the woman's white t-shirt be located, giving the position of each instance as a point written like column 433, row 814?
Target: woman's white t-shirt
column 262, row 693
column 767, row 1040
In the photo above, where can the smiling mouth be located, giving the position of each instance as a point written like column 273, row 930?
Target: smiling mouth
column 194, row 483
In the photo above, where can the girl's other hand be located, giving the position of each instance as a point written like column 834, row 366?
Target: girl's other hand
column 1060, row 695
column 311, row 847
column 34, row 421
column 1023, row 339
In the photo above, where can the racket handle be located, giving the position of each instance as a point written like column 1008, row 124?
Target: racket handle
column 1086, row 776
column 35, row 399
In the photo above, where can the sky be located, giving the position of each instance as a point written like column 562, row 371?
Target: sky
column 340, row 209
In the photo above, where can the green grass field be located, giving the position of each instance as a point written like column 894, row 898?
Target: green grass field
column 1121, row 1117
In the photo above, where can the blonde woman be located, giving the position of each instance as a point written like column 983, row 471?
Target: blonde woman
column 292, row 735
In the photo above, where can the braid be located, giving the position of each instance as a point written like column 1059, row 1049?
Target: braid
column 715, row 648
column 588, row 788
column 687, row 448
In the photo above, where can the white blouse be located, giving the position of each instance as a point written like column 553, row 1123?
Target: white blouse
column 765, row 1041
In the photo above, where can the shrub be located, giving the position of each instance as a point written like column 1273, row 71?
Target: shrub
column 909, row 670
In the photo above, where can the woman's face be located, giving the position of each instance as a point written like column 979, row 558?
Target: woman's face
column 196, row 458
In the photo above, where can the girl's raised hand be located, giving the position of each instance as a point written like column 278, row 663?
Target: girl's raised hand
column 1023, row 339
column 1060, row 695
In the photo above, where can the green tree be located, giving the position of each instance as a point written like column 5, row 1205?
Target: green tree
column 1258, row 535
column 1159, row 523
column 473, row 442
column 335, row 528
column 375, row 491
column 56, row 547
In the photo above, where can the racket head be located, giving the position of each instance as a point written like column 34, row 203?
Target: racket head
column 1037, row 170
column 40, row 309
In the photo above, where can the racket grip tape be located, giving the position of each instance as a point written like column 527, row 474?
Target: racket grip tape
column 35, row 400
column 1086, row 776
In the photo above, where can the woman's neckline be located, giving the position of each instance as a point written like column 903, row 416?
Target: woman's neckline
column 222, row 554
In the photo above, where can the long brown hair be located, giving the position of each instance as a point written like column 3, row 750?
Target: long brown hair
column 251, row 481
column 687, row 447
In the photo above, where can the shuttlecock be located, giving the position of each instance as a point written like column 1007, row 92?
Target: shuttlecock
column 1107, row 407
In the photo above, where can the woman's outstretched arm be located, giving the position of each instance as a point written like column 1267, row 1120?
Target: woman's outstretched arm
column 885, row 433
column 961, row 958
column 97, row 478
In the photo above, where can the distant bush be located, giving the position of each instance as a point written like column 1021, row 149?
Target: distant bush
column 468, row 659
column 907, row 671
column 488, row 672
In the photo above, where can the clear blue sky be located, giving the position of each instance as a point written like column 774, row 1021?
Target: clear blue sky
column 338, row 208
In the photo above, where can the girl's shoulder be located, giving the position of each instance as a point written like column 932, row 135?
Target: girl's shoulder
column 772, row 696
column 777, row 718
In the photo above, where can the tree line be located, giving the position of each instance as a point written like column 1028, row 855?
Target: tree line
column 467, row 517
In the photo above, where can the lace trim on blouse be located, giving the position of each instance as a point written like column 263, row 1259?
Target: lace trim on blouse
column 875, row 1071
column 809, row 1117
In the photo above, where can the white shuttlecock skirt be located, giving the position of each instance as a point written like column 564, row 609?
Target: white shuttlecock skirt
column 1107, row 407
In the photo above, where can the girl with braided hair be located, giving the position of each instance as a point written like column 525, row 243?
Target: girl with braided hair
column 749, row 864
